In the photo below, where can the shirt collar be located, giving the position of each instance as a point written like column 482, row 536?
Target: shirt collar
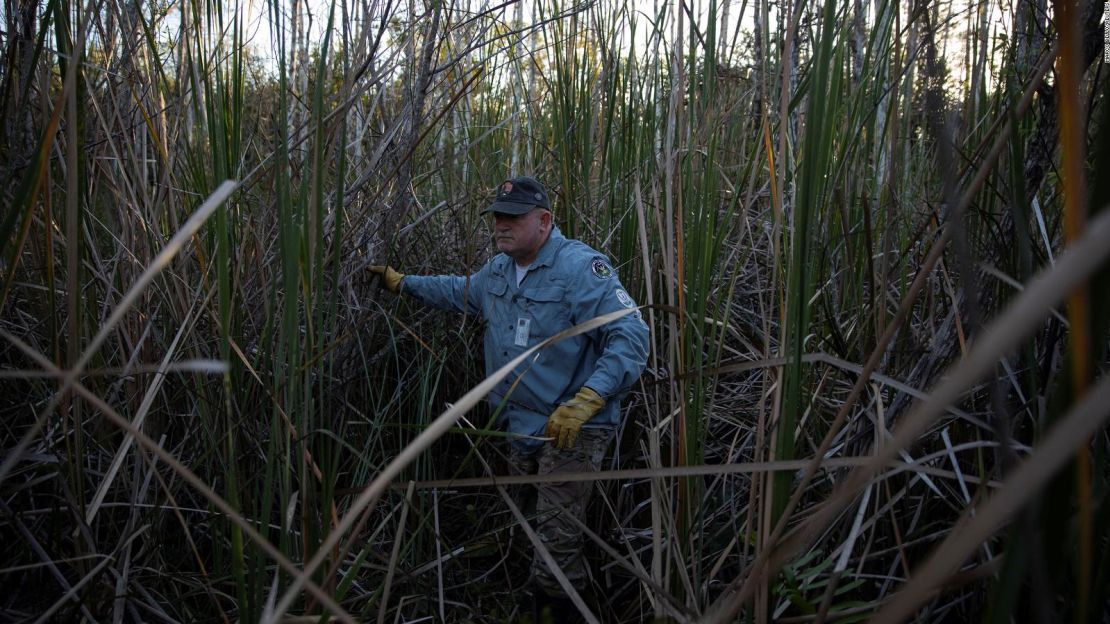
column 547, row 252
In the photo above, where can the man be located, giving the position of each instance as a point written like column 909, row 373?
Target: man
column 565, row 404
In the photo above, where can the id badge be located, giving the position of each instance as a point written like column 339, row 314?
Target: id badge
column 522, row 325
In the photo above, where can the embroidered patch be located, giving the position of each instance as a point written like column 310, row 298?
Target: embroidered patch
column 602, row 270
column 625, row 300
column 506, row 188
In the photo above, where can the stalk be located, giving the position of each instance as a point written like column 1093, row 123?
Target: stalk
column 812, row 174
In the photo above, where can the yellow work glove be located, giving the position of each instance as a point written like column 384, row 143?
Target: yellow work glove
column 565, row 422
column 390, row 279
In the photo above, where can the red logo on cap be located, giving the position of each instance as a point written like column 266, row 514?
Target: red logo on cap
column 506, row 188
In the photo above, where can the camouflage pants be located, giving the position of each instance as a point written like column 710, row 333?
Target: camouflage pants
column 558, row 533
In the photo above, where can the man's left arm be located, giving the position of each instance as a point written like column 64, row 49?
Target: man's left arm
column 623, row 342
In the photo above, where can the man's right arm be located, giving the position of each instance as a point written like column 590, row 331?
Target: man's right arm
column 459, row 293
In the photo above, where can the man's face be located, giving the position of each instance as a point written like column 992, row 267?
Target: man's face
column 521, row 236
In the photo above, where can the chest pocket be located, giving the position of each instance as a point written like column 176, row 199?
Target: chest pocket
column 548, row 308
column 494, row 299
column 497, row 286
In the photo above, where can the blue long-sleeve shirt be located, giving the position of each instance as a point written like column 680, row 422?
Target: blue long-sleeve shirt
column 568, row 283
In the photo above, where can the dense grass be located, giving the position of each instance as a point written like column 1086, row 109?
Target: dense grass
column 869, row 240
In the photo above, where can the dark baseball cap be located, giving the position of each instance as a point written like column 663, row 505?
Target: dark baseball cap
column 517, row 196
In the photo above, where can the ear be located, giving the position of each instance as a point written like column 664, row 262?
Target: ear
column 545, row 218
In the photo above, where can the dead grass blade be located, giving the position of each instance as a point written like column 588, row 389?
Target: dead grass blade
column 397, row 541
column 1070, row 434
column 203, row 366
column 701, row 470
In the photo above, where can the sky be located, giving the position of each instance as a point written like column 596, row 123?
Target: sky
column 260, row 38
column 317, row 10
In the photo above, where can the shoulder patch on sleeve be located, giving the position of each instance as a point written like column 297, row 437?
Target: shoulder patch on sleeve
column 602, row 270
column 625, row 300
